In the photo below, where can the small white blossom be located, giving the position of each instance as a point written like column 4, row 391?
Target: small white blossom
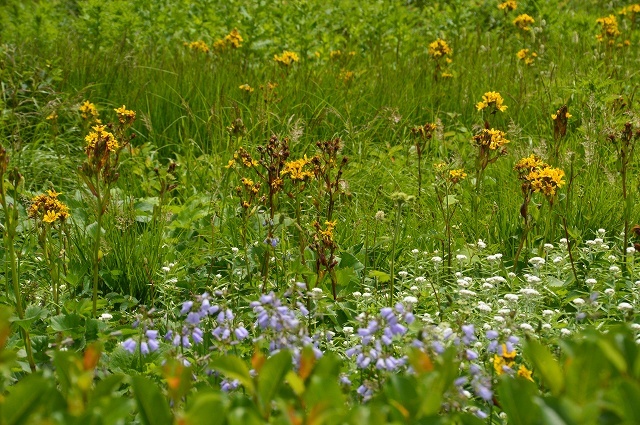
column 463, row 282
column 410, row 300
column 557, row 260
column 533, row 279
column 530, row 292
column 498, row 319
column 482, row 306
column 599, row 241
column 348, row 330
column 504, row 311
column 487, row 285
column 414, row 288
column 106, row 316
column 546, row 326
column 591, row 281
column 564, row 241
column 357, row 294
column 403, row 274
column 511, row 297
column 511, row 275
column 614, row 269
column 526, row 327
column 415, row 251
column 601, row 232
column 379, row 215
column 565, row 332
column 547, row 312
column 630, row 250
column 467, row 293
column 625, row 307
column 234, row 250
column 461, row 257
column 536, row 261
column 481, row 244
column 367, row 295
column 548, row 246
column 420, row 280
column 436, row 259
column 578, row 301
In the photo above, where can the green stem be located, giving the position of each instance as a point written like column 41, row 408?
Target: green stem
column 16, row 291
column 96, row 251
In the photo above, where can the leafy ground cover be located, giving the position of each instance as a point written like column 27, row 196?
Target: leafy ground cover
column 311, row 212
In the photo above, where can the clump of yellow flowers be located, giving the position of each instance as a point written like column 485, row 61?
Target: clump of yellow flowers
column 527, row 56
column 48, row 208
column 538, row 176
column 439, row 48
column 492, row 99
column 232, row 40
column 609, row 29
column 523, row 22
column 286, row 58
column 508, row 5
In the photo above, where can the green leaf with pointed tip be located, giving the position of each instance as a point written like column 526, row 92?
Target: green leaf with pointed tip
column 272, row 376
column 24, row 399
column 545, row 365
column 152, row 405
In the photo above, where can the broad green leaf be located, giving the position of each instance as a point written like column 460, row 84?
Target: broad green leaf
column 546, row 365
column 612, row 354
column 31, row 314
column 152, row 405
column 516, row 397
column 24, row 399
column 66, row 322
column 381, row 276
column 271, row 377
column 234, row 368
column 208, row 408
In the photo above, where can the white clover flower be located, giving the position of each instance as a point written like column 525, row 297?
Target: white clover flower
column 317, row 293
column 461, row 257
column 630, row 250
column 565, row 332
column 498, row 255
column 526, row 327
column 420, row 280
column 463, row 282
column 506, row 331
column 612, row 258
column 548, row 246
column 557, row 260
column 547, row 312
column 533, row 279
column 486, row 326
column 348, row 330
column 599, row 241
column 605, row 246
column 414, row 288
column 482, row 306
column 410, row 300
column 511, row 275
column 481, row 244
column 106, row 316
column 357, row 294
column 625, row 307
column 546, row 326
column 498, row 319
column 609, row 291
column 591, row 243
column 487, row 285
column 436, row 259
column 511, row 297
column 468, row 279
column 379, row 216
column 536, row 261
column 218, row 276
column 601, row 232
column 635, row 326
column 530, row 292
column 578, row 301
column 491, row 258
column 564, row 241
column 466, row 293
column 415, row 251
column 174, row 280
column 234, row 250
column 614, row 269
column 166, row 269
column 504, row 311
column 591, row 281
column 403, row 273
column 458, row 275
column 367, row 295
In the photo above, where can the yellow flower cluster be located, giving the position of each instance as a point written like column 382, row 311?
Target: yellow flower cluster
column 508, row 5
column 439, row 48
column 327, row 234
column 88, row 111
column 246, row 87
column 632, row 9
column 243, row 157
column 337, row 54
column 490, row 138
column 506, row 361
column 198, row 46
column 523, row 21
column 346, row 76
column 296, row 169
column 609, row 29
column 424, row 131
column 286, row 58
column 48, row 208
column 527, row 56
column 233, row 40
column 125, row 116
column 559, row 112
column 540, row 176
column 456, row 176
column 491, row 98
column 100, row 135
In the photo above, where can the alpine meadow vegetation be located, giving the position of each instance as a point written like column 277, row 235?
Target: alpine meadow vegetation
column 303, row 212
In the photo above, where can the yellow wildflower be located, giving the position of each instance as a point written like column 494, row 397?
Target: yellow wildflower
column 48, row 208
column 98, row 136
column 88, row 110
column 546, row 180
column 286, row 58
column 491, row 98
column 346, row 76
column 125, row 116
column 296, row 169
column 335, row 54
column 525, row 373
column 457, row 176
column 52, row 116
column 508, row 5
column 631, row 9
column 609, row 29
column 439, row 48
column 523, row 21
column 198, row 46
column 490, row 138
column 246, row 87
